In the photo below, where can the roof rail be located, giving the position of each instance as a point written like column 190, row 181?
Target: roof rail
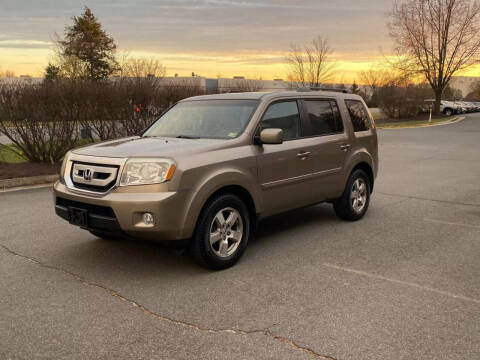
column 316, row 88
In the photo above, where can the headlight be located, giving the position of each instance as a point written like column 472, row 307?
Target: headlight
column 147, row 171
column 64, row 165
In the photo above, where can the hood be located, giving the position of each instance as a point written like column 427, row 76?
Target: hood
column 149, row 147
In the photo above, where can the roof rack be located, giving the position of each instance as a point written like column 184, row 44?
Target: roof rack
column 316, row 88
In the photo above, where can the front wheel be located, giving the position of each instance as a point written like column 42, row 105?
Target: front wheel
column 354, row 202
column 448, row 112
column 222, row 233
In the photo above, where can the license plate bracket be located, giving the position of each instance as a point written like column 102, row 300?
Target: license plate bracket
column 78, row 216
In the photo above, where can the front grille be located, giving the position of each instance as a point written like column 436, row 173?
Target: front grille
column 94, row 177
column 92, row 209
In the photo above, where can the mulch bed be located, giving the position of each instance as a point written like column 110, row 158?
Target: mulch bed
column 10, row 171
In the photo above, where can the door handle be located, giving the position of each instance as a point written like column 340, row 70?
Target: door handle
column 345, row 147
column 303, row 154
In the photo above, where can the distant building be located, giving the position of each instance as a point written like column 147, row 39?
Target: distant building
column 209, row 85
column 464, row 83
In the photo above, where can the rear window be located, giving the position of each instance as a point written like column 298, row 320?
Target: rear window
column 358, row 115
column 323, row 118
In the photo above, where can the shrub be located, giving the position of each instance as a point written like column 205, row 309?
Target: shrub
column 39, row 120
column 44, row 120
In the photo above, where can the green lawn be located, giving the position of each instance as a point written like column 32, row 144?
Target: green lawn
column 8, row 156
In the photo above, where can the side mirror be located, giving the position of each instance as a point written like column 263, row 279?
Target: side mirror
column 271, row 136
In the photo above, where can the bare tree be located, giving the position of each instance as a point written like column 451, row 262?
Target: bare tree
column 242, row 85
column 436, row 39
column 142, row 67
column 310, row 65
column 374, row 78
column 474, row 93
column 7, row 73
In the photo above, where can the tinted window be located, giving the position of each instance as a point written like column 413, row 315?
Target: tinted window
column 323, row 117
column 283, row 115
column 358, row 114
column 222, row 119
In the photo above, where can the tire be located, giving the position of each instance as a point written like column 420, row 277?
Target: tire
column 102, row 235
column 448, row 112
column 216, row 246
column 348, row 208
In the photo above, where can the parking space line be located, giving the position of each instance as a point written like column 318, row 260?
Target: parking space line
column 401, row 282
column 28, row 187
column 427, row 199
column 451, row 223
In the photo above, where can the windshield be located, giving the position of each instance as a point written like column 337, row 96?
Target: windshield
column 217, row 119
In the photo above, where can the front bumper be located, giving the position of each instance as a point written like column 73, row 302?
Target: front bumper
column 121, row 210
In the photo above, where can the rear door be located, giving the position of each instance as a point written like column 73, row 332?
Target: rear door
column 322, row 123
column 284, row 169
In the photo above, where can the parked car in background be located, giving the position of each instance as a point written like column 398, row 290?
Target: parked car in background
column 211, row 166
column 446, row 107
column 469, row 106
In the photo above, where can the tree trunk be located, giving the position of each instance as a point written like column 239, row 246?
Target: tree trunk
column 438, row 99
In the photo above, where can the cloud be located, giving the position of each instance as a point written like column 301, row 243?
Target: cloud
column 24, row 44
column 254, row 33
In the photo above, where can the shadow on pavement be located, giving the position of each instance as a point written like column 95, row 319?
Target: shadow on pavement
column 145, row 259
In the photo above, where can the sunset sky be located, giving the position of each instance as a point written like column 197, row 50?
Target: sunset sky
column 208, row 37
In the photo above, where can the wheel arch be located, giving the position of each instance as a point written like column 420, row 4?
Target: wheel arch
column 368, row 170
column 364, row 161
column 212, row 188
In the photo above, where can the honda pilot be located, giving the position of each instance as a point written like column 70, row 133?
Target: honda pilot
column 212, row 166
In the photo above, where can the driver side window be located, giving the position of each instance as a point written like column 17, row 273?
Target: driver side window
column 283, row 115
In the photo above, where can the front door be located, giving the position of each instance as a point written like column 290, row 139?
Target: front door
column 284, row 169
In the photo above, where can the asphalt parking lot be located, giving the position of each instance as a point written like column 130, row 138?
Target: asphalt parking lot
column 403, row 283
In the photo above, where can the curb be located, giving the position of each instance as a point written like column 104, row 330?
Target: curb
column 453, row 121
column 27, row 181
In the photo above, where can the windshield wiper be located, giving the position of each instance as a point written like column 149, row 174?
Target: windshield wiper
column 187, row 137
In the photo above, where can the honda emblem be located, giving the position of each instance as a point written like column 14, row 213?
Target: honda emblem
column 87, row 174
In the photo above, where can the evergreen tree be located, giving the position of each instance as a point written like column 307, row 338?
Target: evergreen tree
column 87, row 51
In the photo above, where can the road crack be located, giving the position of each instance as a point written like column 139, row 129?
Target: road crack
column 160, row 317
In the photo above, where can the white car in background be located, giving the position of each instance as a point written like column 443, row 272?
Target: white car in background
column 469, row 107
column 446, row 107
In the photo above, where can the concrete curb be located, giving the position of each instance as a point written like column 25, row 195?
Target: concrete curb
column 27, row 181
column 453, row 121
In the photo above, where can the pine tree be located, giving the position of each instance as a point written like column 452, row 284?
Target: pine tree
column 87, row 51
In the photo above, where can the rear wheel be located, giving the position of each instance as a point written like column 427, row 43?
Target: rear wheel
column 356, row 197
column 222, row 233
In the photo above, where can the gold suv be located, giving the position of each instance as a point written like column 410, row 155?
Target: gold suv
column 211, row 166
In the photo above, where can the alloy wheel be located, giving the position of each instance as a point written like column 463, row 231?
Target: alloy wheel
column 358, row 195
column 226, row 232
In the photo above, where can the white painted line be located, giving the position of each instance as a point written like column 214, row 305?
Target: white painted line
column 452, row 223
column 406, row 283
column 20, row 188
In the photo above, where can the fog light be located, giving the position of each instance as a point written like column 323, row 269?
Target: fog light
column 148, row 218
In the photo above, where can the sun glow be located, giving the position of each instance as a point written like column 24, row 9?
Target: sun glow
column 261, row 65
